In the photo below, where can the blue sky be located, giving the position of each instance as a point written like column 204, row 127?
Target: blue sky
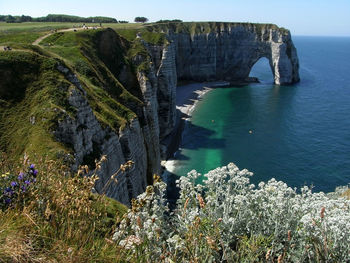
column 302, row 17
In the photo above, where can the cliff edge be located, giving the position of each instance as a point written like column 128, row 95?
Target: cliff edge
column 227, row 51
column 80, row 95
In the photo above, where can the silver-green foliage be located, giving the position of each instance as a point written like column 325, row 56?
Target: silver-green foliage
column 211, row 220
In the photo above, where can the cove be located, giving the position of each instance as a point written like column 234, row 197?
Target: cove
column 299, row 134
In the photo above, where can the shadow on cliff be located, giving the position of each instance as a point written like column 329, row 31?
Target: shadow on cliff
column 187, row 135
column 172, row 191
column 180, row 156
column 195, row 137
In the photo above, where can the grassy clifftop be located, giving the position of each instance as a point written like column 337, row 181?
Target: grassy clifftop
column 103, row 61
column 207, row 27
column 59, row 219
column 34, row 94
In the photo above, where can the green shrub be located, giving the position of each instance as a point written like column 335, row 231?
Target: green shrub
column 61, row 220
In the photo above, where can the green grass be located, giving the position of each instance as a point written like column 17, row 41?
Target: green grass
column 28, row 32
column 206, row 27
column 109, row 99
column 155, row 38
column 31, row 87
column 98, row 57
column 31, row 81
column 61, row 220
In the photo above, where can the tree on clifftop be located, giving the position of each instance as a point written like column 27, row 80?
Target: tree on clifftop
column 141, row 19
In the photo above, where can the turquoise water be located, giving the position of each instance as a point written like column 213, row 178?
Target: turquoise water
column 300, row 134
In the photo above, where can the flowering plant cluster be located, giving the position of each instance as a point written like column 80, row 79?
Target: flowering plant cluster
column 14, row 187
column 228, row 219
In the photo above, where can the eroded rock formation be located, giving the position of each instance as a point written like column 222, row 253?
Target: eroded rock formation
column 228, row 51
column 220, row 51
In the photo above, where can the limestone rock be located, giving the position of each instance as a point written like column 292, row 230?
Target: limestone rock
column 89, row 139
column 229, row 51
column 225, row 52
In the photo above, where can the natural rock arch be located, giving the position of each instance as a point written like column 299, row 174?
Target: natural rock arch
column 262, row 60
column 228, row 52
column 211, row 51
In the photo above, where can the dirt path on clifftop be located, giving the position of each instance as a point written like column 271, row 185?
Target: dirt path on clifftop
column 37, row 41
column 13, row 49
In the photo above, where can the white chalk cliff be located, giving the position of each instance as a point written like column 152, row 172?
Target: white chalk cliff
column 220, row 51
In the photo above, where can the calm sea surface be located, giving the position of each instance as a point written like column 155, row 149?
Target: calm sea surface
column 300, row 134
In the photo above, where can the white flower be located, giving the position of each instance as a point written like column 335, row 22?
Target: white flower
column 130, row 242
column 272, row 210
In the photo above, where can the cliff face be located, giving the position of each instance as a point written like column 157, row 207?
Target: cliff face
column 90, row 140
column 216, row 51
column 226, row 51
column 164, row 71
column 124, row 107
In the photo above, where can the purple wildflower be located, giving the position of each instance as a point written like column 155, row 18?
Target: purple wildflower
column 20, row 177
column 35, row 172
column 24, row 188
column 7, row 201
column 8, row 189
column 32, row 166
column 27, row 182
column 14, row 184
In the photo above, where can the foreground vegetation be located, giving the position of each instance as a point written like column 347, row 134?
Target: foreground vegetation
column 58, row 219
column 230, row 220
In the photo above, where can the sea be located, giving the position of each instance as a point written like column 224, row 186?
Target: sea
column 299, row 134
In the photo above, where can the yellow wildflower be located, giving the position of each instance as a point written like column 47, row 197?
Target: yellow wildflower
column 5, row 174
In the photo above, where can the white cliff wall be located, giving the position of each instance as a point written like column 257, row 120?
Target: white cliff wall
column 87, row 137
column 138, row 141
column 166, row 95
column 164, row 70
column 227, row 52
column 148, row 85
